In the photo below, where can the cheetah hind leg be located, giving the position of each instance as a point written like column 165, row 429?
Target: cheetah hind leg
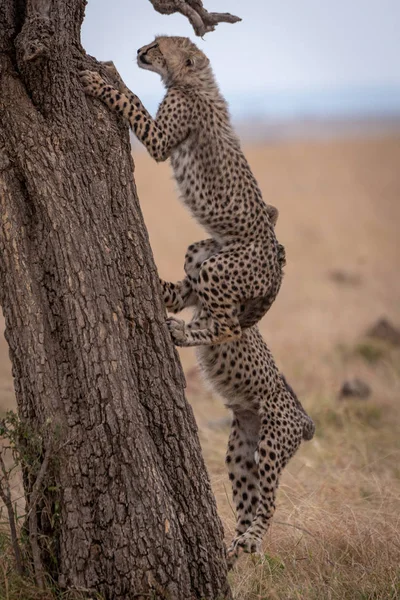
column 243, row 470
column 271, row 461
column 180, row 295
column 219, row 300
column 275, row 448
column 222, row 328
column 209, row 268
column 223, row 332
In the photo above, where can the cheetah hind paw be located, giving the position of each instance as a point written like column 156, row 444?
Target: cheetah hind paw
column 245, row 543
column 177, row 330
column 92, row 82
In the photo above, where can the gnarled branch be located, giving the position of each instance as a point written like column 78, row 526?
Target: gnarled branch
column 201, row 20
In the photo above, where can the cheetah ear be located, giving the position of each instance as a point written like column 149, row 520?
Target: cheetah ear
column 198, row 60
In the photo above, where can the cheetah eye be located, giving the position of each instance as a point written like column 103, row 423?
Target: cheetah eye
column 189, row 62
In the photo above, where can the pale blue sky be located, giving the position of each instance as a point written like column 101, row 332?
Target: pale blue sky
column 340, row 54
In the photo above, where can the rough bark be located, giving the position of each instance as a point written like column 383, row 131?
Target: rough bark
column 94, row 368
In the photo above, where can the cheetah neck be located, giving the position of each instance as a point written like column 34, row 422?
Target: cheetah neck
column 203, row 81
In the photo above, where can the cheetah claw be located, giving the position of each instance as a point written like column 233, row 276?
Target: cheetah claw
column 231, row 558
column 235, row 550
column 177, row 330
column 111, row 69
column 244, row 543
column 92, row 82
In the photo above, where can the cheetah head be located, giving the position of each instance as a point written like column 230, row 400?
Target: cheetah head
column 176, row 59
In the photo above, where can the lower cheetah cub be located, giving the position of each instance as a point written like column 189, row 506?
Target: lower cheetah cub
column 193, row 128
column 269, row 421
column 268, row 426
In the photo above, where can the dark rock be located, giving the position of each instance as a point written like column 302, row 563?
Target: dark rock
column 355, row 388
column 344, row 277
column 384, row 330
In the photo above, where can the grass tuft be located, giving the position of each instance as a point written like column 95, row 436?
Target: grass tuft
column 371, row 352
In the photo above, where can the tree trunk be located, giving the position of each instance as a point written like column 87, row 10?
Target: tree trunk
column 127, row 508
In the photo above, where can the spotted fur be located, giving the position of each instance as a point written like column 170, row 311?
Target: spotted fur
column 193, row 128
column 269, row 421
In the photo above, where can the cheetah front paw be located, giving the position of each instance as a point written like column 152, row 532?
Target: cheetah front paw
column 245, row 543
column 92, row 82
column 177, row 330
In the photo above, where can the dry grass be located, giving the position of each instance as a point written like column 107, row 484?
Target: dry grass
column 12, row 586
column 336, row 532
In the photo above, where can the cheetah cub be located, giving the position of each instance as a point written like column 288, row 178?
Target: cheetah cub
column 193, row 128
column 268, row 426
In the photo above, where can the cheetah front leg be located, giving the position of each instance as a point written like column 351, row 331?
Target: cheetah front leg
column 158, row 135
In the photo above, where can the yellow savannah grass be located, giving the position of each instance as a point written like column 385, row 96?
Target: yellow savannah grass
column 336, row 531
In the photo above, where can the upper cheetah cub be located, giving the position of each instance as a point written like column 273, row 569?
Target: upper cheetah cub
column 193, row 128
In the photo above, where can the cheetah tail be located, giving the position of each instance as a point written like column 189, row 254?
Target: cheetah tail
column 308, row 423
column 308, row 428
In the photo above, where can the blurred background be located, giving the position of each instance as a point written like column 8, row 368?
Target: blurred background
column 286, row 64
column 314, row 92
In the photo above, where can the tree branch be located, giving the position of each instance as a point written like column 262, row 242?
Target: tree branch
column 201, row 20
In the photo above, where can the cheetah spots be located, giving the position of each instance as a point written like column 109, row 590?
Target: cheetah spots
column 233, row 290
column 267, row 431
